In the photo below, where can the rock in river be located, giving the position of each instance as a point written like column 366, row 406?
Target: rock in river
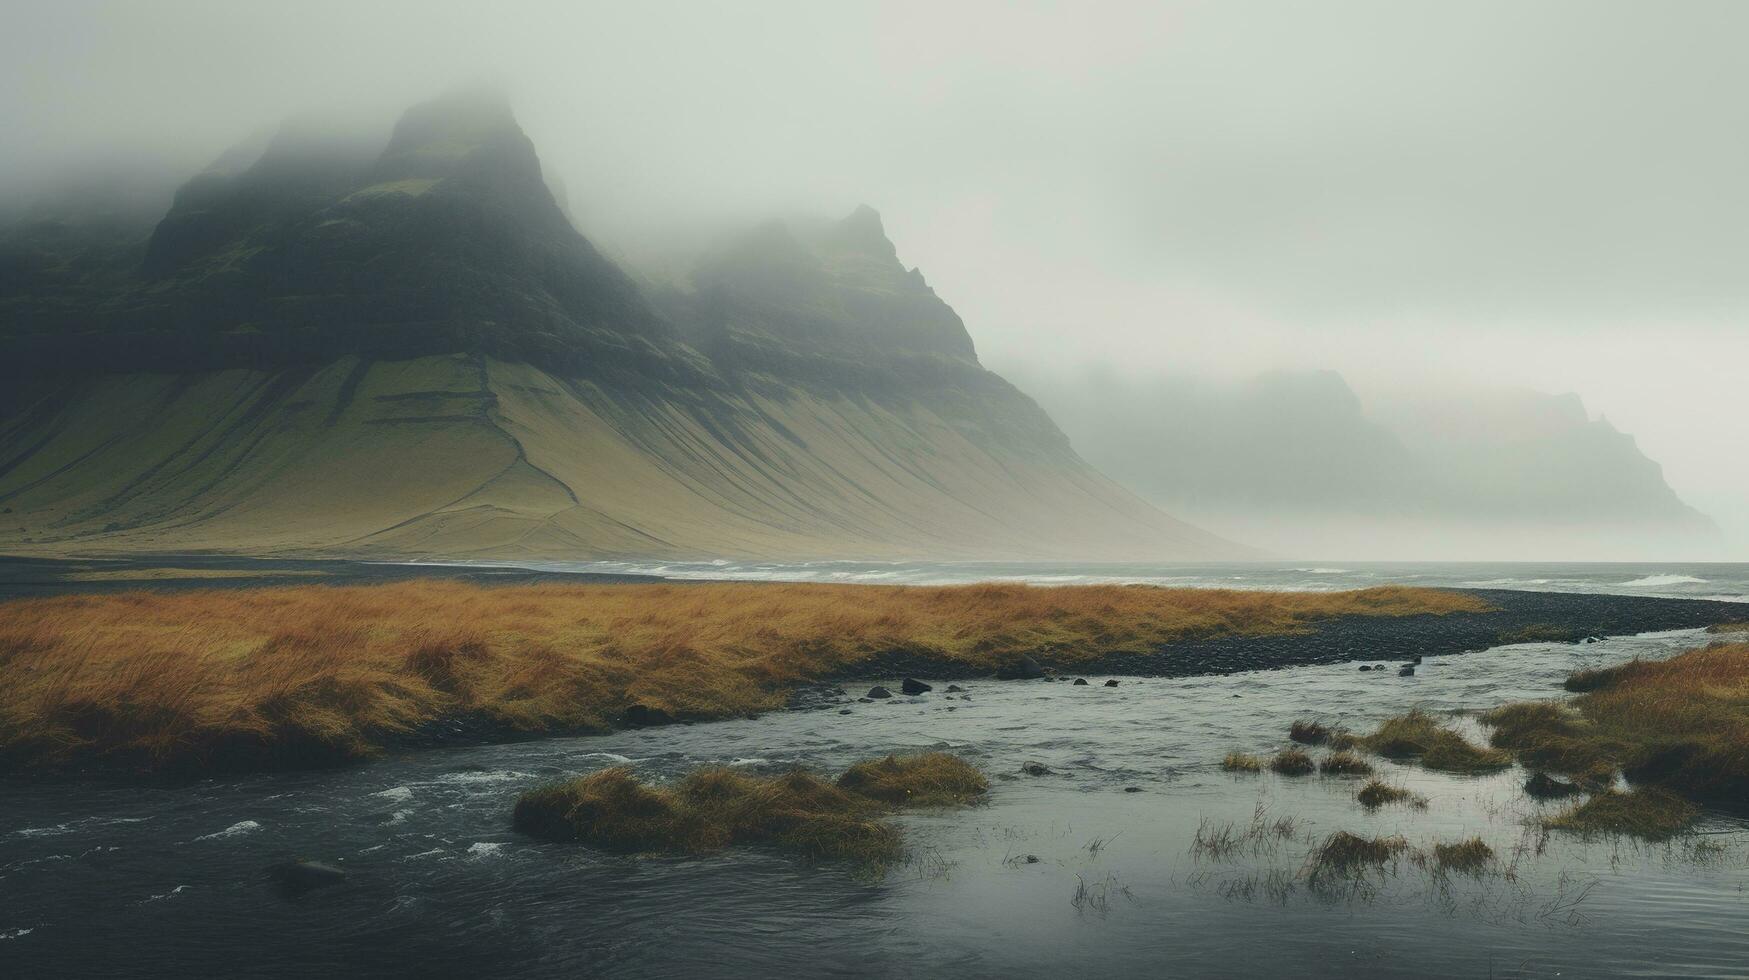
column 643, row 716
column 879, row 692
column 912, row 685
column 1023, row 669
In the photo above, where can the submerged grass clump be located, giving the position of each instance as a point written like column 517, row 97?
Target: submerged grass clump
column 1242, row 762
column 1377, row 793
column 1681, row 724
column 1308, row 732
column 1292, row 762
column 1342, row 854
column 929, row 779
column 1469, row 857
column 719, row 807
column 1418, row 735
column 1648, row 812
column 1344, row 764
column 1226, row 840
column 313, row 674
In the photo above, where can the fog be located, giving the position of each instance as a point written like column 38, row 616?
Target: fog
column 1483, row 196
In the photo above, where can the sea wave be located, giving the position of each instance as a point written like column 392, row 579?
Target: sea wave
column 237, row 829
column 1651, row 581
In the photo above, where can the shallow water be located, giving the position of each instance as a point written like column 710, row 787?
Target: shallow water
column 112, row 880
column 1726, row 581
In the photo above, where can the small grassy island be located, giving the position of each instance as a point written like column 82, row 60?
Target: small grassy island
column 720, row 807
column 303, row 675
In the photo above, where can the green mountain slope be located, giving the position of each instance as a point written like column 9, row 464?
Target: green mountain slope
column 408, row 351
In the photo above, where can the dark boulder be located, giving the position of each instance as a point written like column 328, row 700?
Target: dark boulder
column 912, row 685
column 644, row 716
column 1407, row 670
column 1080, row 682
column 1366, row 666
column 954, row 689
column 1543, row 786
column 1035, row 769
column 1111, row 683
column 879, row 692
column 1022, row 669
column 298, row 877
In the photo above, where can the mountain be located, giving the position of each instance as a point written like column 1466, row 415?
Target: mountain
column 340, row 344
column 1295, row 462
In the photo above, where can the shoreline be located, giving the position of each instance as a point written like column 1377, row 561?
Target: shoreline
column 24, row 577
column 1374, row 639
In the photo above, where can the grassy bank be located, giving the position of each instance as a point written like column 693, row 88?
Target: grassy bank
column 717, row 807
column 303, row 675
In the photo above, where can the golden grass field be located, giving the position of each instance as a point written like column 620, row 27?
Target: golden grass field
column 311, row 674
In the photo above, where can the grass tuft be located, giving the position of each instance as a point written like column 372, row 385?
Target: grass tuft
column 929, row 779
column 1377, row 793
column 1342, row 854
column 1242, row 762
column 1469, row 857
column 719, row 807
column 1344, row 764
column 1292, row 762
column 1308, row 732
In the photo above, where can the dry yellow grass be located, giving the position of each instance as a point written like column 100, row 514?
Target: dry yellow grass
column 308, row 674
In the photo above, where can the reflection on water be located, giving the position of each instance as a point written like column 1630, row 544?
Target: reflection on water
column 1066, row 873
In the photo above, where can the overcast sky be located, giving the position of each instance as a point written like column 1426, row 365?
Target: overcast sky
column 1548, row 194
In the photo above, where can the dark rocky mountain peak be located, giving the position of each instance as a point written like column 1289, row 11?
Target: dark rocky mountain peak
column 834, row 287
column 861, row 232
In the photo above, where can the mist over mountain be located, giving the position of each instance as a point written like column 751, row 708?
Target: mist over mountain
column 1295, row 462
column 340, row 342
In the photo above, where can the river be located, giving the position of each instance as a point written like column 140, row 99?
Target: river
column 105, row 879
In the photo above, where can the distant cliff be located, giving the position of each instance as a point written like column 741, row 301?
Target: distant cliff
column 1295, row 462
